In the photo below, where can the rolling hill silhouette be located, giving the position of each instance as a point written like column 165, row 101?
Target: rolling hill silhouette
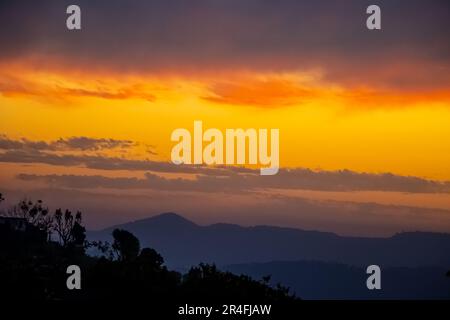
column 184, row 243
column 322, row 280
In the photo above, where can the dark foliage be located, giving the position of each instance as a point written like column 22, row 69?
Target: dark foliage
column 33, row 267
column 202, row 283
column 125, row 244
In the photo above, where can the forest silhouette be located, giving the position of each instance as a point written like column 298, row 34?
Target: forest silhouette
column 37, row 246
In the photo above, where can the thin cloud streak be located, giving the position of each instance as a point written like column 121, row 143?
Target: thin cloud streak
column 65, row 144
column 237, row 183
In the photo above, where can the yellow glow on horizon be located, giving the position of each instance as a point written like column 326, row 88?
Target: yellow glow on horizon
column 321, row 125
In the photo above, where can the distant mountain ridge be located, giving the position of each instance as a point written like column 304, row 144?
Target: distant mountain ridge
column 322, row 280
column 183, row 243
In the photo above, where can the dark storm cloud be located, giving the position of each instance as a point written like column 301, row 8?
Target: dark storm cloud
column 412, row 49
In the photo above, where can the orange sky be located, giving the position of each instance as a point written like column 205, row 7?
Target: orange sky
column 322, row 125
column 363, row 115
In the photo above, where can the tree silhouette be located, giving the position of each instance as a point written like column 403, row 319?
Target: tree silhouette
column 125, row 244
column 103, row 247
column 78, row 234
column 33, row 267
column 150, row 258
column 34, row 212
column 202, row 283
column 68, row 228
column 1, row 199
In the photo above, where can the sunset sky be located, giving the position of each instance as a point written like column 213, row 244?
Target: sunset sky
column 364, row 116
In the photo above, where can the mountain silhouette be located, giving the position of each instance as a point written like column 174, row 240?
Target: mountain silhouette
column 327, row 280
column 184, row 243
column 169, row 220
